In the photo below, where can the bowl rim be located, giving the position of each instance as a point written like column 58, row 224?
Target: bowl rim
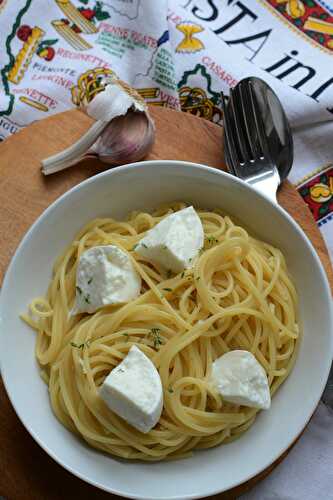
column 173, row 164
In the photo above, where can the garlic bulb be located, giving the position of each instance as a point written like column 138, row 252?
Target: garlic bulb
column 123, row 131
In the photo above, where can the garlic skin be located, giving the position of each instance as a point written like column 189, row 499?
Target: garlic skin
column 128, row 137
column 123, row 131
column 75, row 153
column 100, row 109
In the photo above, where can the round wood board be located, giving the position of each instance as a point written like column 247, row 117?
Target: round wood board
column 27, row 472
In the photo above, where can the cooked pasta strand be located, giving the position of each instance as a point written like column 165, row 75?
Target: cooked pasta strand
column 238, row 295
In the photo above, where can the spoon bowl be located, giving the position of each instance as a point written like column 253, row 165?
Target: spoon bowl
column 276, row 125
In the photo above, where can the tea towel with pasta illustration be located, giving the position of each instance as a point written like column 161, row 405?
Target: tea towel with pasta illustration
column 181, row 54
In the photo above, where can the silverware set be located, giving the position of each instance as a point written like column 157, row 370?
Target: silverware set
column 258, row 139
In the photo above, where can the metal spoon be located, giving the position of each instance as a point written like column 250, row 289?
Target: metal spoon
column 276, row 126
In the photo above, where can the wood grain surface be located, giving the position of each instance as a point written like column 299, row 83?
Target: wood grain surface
column 26, row 471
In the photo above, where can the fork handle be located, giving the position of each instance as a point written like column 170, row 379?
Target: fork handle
column 266, row 183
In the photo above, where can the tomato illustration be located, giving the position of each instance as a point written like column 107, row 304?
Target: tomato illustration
column 47, row 53
column 23, row 32
column 88, row 13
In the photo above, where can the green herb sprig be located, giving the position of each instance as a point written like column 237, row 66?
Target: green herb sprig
column 211, row 240
column 156, row 336
column 81, row 346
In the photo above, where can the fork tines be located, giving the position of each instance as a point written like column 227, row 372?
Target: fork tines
column 244, row 127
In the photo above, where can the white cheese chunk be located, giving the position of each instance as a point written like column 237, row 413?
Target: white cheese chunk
column 105, row 275
column 133, row 390
column 240, row 379
column 175, row 241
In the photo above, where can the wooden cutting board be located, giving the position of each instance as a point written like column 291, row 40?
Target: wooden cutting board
column 26, row 471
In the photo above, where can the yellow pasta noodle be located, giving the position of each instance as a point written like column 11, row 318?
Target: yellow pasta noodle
column 237, row 295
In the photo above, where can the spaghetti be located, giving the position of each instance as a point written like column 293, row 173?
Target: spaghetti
column 237, row 295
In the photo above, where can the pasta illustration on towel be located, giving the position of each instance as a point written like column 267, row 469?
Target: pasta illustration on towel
column 190, row 43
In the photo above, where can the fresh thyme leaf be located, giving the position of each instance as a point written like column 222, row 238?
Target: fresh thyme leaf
column 78, row 346
column 155, row 330
column 170, row 390
column 133, row 249
column 183, row 274
column 79, row 290
column 169, row 273
column 168, row 289
column 155, row 334
column 198, row 278
column 126, row 335
column 81, row 346
column 87, row 298
column 164, row 247
column 211, row 240
column 90, row 280
column 144, row 245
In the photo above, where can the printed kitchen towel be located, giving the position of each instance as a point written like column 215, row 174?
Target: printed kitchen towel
column 181, row 54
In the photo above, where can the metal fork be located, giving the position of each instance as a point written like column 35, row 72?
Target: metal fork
column 246, row 147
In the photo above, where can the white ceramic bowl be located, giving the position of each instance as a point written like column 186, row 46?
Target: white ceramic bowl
column 144, row 186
